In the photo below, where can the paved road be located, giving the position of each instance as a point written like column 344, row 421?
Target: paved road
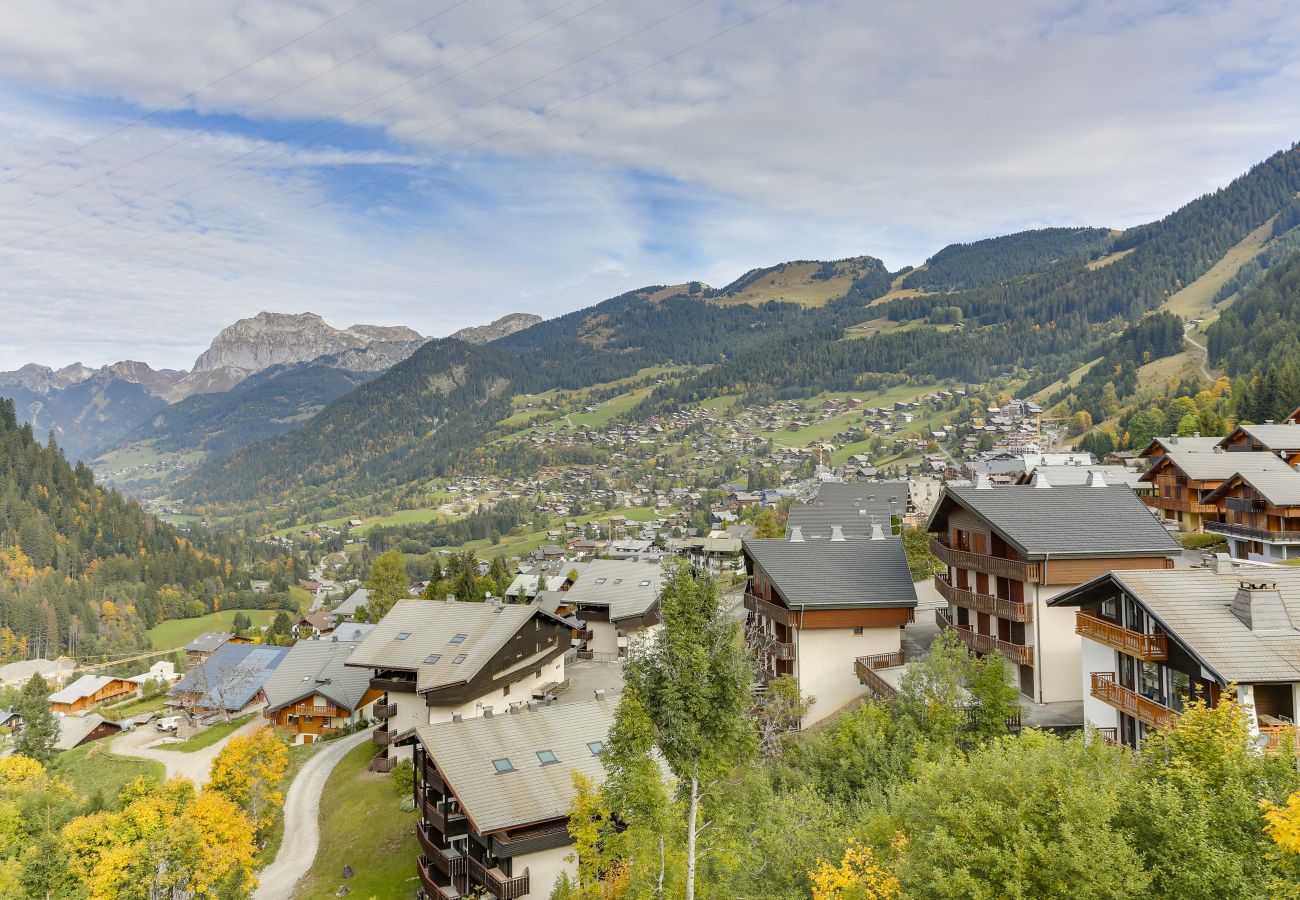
column 302, row 821
column 194, row 766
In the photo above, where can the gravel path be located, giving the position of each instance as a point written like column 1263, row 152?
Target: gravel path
column 194, row 766
column 302, row 820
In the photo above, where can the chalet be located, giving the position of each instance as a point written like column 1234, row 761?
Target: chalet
column 74, row 731
column 819, row 608
column 1159, row 446
column 90, row 690
column 205, row 645
column 1008, row 550
column 229, row 679
column 313, row 694
column 349, row 608
column 316, row 625
column 1153, row 638
column 1183, row 481
column 1259, row 515
column 494, row 795
column 1283, row 441
column 435, row 662
column 614, row 599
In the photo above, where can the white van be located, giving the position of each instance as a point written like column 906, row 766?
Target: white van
column 169, row 724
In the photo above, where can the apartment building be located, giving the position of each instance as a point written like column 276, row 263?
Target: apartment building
column 437, row 661
column 494, row 793
column 313, row 693
column 1153, row 638
column 854, row 506
column 613, row 600
column 1009, row 549
column 1259, row 514
column 828, row 611
column 1184, row 480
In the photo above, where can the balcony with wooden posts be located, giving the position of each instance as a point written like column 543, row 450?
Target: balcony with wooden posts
column 437, row 885
column 381, row 762
column 1147, row 647
column 1106, row 689
column 1278, row 735
column 998, row 566
column 449, row 824
column 1020, row 654
column 768, row 610
column 985, row 603
column 447, row 860
column 382, row 736
column 497, row 882
column 385, row 710
column 1249, row 532
column 867, row 669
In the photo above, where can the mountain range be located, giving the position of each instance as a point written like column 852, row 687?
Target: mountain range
column 92, row 411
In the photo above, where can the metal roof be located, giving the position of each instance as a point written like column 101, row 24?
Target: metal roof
column 428, row 636
column 208, row 641
column 317, row 667
column 1064, row 521
column 1217, row 465
column 837, row 574
column 529, row 792
column 1194, row 606
column 232, row 675
column 626, row 587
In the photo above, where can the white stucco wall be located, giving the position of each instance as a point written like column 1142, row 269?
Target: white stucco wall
column 824, row 664
column 1057, row 657
column 604, row 637
column 544, row 867
column 1097, row 657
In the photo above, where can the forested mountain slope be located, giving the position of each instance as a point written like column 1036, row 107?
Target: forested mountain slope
column 994, row 260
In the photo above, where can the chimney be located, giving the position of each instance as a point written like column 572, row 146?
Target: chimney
column 1196, row 434
column 1095, row 479
column 456, row 717
column 487, row 712
column 837, row 533
column 1259, row 606
column 600, row 693
column 1040, row 480
column 533, row 705
column 877, row 533
column 796, row 535
column 1222, row 564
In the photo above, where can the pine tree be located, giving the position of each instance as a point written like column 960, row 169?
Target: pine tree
column 40, row 732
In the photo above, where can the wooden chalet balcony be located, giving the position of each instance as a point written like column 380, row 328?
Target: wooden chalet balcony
column 1188, row 502
column 985, row 603
column 1148, row 647
column 782, row 651
column 437, row 886
column 1277, row 736
column 865, row 668
column 986, row 643
column 768, row 609
column 381, row 763
column 498, row 883
column 450, row 825
column 447, row 860
column 385, row 710
column 1106, row 689
column 1231, row 529
column 382, row 736
column 990, row 565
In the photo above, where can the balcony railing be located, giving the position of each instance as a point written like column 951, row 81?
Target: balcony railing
column 985, row 603
column 385, row 710
column 768, row 609
column 1106, row 689
column 502, row 886
column 1148, row 647
column 865, row 667
column 783, row 651
column 447, row 860
column 1277, row 735
column 990, row 565
column 986, row 643
column 1232, row 529
column 382, row 736
column 437, row 886
column 450, row 824
column 381, row 762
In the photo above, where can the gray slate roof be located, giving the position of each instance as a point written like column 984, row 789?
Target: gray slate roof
column 208, row 641
column 349, row 607
column 1193, row 605
column 854, row 506
column 232, row 675
column 350, row 632
column 317, row 667
column 532, row 793
column 75, row 729
column 1064, row 521
column 1162, row 445
column 1274, row 437
column 1065, row 475
column 837, row 574
column 1280, row 488
column 627, row 588
column 1218, row 466
column 430, row 627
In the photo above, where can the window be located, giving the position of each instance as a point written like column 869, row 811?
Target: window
column 1151, row 681
column 645, row 583
column 458, row 639
column 1110, row 608
column 460, row 658
column 596, row 747
column 1180, row 688
column 618, row 580
column 502, row 766
column 432, row 659
column 857, row 629
column 402, row 635
column 547, row 757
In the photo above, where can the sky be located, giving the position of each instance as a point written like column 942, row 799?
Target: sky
column 166, row 168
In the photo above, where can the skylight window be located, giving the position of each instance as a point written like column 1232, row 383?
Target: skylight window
column 645, row 583
column 600, row 581
column 402, row 635
column 432, row 658
column 618, row 580
column 503, row 765
column 458, row 639
column 596, row 747
column 460, row 658
column 547, row 757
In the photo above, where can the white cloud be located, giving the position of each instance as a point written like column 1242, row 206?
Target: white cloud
column 823, row 130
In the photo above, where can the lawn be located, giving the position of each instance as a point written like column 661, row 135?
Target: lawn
column 208, row 736
column 94, row 768
column 179, row 632
column 362, row 826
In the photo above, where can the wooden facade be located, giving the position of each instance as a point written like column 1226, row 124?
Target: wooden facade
column 314, row 720
column 116, row 689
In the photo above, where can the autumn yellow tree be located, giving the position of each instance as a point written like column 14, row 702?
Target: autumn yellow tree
column 859, row 875
column 1282, row 822
column 248, row 772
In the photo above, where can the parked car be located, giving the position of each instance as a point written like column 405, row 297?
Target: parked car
column 168, row 724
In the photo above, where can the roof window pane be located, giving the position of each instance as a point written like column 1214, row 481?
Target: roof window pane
column 432, row 658
column 402, row 635
column 458, row 639
column 546, row 757
column 596, row 747
column 502, row 766
column 460, row 658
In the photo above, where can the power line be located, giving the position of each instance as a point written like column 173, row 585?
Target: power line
column 189, row 136
column 455, row 150
column 157, row 192
column 190, row 96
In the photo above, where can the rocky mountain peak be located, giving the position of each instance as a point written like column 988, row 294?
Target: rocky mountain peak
column 275, row 339
column 506, row 325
